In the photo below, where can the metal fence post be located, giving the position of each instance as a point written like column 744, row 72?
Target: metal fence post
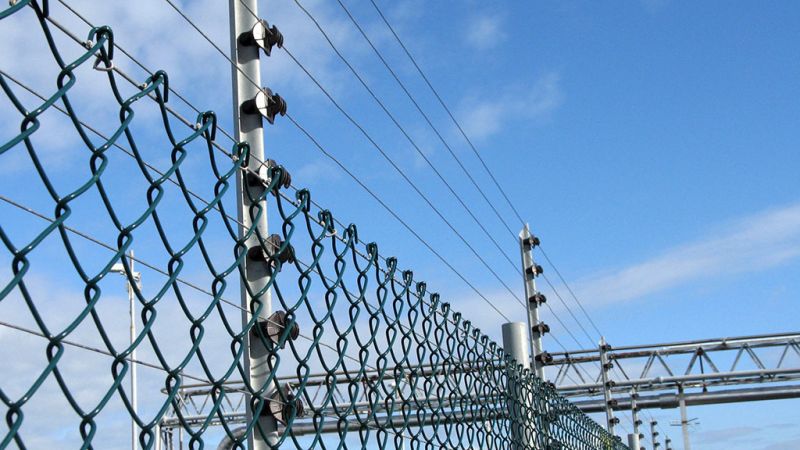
column 529, row 271
column 684, row 419
column 515, row 344
column 605, row 367
column 637, row 436
column 248, row 128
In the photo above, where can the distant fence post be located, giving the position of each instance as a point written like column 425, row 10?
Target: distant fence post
column 516, row 345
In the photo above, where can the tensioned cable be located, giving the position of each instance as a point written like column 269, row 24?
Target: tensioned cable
column 162, row 272
column 404, row 132
column 380, row 103
column 394, row 214
column 63, row 29
column 547, row 258
column 378, row 199
column 477, row 154
column 205, row 36
column 424, row 115
column 154, row 268
column 452, row 117
column 99, row 350
column 569, row 310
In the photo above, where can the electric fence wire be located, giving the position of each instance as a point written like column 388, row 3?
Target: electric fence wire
column 394, row 120
column 61, row 225
column 196, row 196
column 318, row 145
column 405, row 133
column 424, row 115
column 182, row 373
column 385, row 155
column 419, row 151
column 126, row 151
column 183, row 99
column 352, row 175
column 477, row 154
column 358, row 126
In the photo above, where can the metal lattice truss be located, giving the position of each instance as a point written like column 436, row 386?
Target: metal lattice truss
column 703, row 364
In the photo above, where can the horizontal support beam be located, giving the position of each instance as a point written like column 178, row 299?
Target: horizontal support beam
column 681, row 347
column 668, row 401
column 744, row 376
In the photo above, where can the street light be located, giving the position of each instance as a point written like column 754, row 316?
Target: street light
column 137, row 278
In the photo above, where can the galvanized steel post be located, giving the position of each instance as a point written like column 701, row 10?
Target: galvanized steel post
column 529, row 270
column 635, row 444
column 654, row 434
column 684, row 418
column 515, row 344
column 248, row 128
column 605, row 367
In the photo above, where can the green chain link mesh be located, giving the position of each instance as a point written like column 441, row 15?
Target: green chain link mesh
column 379, row 362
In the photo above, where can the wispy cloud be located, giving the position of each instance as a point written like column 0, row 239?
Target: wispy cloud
column 485, row 32
column 757, row 242
column 485, row 116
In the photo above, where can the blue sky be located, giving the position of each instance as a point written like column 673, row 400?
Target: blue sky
column 652, row 146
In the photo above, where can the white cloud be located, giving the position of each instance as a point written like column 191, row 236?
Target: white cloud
column 485, row 32
column 758, row 242
column 484, row 116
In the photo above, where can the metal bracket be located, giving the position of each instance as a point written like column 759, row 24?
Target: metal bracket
column 263, row 36
column 266, row 103
column 538, row 298
column 541, row 328
column 275, row 325
column 261, row 177
column 531, row 242
column 544, row 358
column 282, row 409
column 263, row 254
column 534, row 270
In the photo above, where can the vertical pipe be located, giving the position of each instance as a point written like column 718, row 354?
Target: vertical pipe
column 248, row 128
column 604, row 368
column 526, row 249
column 633, row 441
column 132, row 312
column 684, row 419
column 515, row 344
column 635, row 445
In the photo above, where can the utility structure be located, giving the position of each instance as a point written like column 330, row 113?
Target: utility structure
column 133, row 281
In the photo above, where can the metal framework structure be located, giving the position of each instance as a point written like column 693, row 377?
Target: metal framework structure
column 662, row 369
column 769, row 358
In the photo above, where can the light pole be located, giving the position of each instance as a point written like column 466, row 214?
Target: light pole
column 137, row 278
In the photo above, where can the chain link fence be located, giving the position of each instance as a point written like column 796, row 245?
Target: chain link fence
column 357, row 352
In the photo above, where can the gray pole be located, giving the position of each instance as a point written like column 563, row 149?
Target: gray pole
column 515, row 344
column 684, row 419
column 633, row 441
column 526, row 244
column 248, row 128
column 604, row 369
column 667, row 443
column 132, row 310
column 635, row 444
